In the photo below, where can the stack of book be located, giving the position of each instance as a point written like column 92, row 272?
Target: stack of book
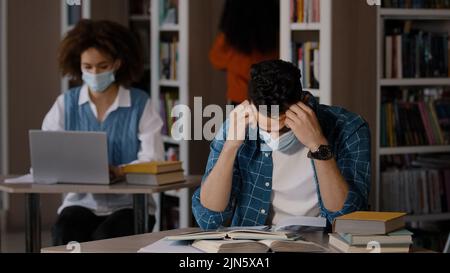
column 369, row 232
column 154, row 173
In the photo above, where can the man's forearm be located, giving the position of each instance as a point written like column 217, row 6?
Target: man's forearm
column 215, row 191
column 333, row 187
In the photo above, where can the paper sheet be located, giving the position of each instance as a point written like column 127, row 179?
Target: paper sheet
column 166, row 246
column 25, row 179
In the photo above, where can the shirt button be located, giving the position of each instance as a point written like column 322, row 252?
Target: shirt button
column 263, row 211
column 267, row 184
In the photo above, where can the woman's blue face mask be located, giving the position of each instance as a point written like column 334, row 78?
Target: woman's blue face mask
column 99, row 82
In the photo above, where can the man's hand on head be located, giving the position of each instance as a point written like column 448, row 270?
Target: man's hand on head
column 242, row 116
column 305, row 125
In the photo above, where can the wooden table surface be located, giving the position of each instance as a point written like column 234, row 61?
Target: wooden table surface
column 117, row 188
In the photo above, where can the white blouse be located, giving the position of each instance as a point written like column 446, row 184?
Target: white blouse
column 151, row 148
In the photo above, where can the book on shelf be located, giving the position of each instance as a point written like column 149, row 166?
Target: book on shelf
column 169, row 59
column 337, row 242
column 416, row 184
column 261, row 246
column 412, row 52
column 153, row 167
column 154, row 179
column 167, row 101
column 415, row 117
column 172, row 153
column 74, row 14
column 369, row 222
column 168, row 12
column 307, row 57
column 416, row 4
column 398, row 237
column 305, row 11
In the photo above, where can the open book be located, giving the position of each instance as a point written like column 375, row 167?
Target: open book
column 261, row 246
column 237, row 234
column 287, row 229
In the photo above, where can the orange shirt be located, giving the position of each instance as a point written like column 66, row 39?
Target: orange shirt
column 237, row 66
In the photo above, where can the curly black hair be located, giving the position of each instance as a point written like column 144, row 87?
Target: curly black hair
column 110, row 38
column 275, row 82
column 251, row 25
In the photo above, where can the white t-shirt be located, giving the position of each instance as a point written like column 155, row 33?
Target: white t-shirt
column 294, row 191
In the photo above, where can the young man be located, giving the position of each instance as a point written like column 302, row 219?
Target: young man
column 305, row 159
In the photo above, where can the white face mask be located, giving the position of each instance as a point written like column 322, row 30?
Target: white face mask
column 282, row 144
column 99, row 82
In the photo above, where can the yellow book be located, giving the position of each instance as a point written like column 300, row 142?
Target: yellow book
column 154, row 167
column 369, row 222
column 154, row 179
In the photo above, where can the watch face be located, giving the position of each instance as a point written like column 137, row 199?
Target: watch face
column 325, row 152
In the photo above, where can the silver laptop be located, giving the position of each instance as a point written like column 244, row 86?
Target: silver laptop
column 69, row 157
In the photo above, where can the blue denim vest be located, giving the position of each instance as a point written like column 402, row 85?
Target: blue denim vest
column 121, row 125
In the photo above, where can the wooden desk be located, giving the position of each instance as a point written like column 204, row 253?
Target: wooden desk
column 131, row 244
column 140, row 201
column 128, row 244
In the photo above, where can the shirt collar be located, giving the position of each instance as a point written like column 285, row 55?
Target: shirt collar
column 123, row 98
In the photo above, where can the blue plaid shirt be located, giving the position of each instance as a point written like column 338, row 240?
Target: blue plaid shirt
column 250, row 199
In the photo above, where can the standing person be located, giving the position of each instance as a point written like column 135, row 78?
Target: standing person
column 249, row 34
column 107, row 58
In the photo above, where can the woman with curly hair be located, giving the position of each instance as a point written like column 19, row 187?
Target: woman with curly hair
column 106, row 58
column 249, row 34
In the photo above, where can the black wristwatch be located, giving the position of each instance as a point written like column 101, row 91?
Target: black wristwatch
column 324, row 152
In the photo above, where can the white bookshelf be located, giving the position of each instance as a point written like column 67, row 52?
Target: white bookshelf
column 289, row 29
column 384, row 14
column 416, row 14
column 181, row 84
column 169, row 27
column 65, row 27
column 169, row 83
column 414, row 150
column 415, row 82
column 305, row 26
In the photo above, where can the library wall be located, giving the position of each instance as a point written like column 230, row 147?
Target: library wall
column 204, row 81
column 354, row 64
column 34, row 84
